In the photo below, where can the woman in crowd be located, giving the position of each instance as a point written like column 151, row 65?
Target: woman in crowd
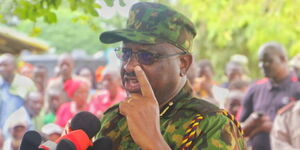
column 77, row 91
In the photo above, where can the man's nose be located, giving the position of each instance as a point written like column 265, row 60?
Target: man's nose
column 131, row 63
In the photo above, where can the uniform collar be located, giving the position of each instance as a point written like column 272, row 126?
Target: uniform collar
column 284, row 83
column 185, row 93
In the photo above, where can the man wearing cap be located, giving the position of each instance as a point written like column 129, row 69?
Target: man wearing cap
column 160, row 111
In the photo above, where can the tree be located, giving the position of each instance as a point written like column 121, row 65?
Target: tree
column 224, row 27
column 65, row 25
column 227, row 27
column 34, row 9
column 71, row 31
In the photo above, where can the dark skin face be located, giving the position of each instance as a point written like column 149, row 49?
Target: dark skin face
column 111, row 82
column 18, row 132
column 34, row 103
column 55, row 100
column 234, row 106
column 273, row 65
column 81, row 94
column 40, row 77
column 163, row 74
column 65, row 64
column 234, row 72
column 7, row 67
column 205, row 71
column 86, row 73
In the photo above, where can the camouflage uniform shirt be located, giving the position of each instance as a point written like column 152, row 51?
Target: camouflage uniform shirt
column 190, row 123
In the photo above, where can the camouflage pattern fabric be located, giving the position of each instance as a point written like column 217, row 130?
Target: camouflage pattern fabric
column 214, row 131
column 151, row 23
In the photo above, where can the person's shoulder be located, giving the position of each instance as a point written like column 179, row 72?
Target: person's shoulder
column 99, row 94
column 111, row 118
column 290, row 107
column 198, row 105
column 203, row 110
column 23, row 79
column 211, row 123
column 20, row 80
column 258, row 85
column 64, row 107
column 112, row 110
column 294, row 81
column 261, row 81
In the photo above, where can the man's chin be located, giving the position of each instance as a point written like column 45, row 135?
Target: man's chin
column 267, row 75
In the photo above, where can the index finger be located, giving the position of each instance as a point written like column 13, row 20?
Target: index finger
column 144, row 83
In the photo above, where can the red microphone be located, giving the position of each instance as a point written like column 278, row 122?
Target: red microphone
column 84, row 126
column 77, row 138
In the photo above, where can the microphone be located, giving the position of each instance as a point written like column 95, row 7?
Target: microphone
column 87, row 122
column 83, row 127
column 31, row 141
column 65, row 145
column 104, row 143
column 78, row 138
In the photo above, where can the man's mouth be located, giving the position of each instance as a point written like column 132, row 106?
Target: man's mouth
column 131, row 85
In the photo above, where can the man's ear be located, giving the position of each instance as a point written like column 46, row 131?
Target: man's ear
column 185, row 63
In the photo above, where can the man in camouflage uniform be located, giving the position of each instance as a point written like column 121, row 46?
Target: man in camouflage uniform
column 160, row 111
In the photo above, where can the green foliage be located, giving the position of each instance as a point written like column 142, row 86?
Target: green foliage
column 227, row 27
column 66, row 25
column 46, row 9
column 73, row 30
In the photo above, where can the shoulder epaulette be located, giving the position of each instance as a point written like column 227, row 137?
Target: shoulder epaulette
column 286, row 107
column 201, row 106
column 190, row 133
column 232, row 118
column 262, row 81
column 294, row 79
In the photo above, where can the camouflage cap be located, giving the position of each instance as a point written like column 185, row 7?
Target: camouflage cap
column 151, row 23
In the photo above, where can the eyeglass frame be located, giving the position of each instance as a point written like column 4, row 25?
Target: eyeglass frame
column 156, row 56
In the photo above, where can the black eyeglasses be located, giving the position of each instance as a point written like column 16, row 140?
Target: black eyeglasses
column 143, row 57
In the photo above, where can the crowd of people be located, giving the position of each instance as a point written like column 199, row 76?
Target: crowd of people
column 30, row 100
column 267, row 108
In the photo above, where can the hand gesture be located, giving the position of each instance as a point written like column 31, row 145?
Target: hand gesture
column 142, row 115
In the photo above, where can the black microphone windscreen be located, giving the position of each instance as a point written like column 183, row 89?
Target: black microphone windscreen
column 104, row 143
column 65, row 144
column 31, row 141
column 87, row 122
